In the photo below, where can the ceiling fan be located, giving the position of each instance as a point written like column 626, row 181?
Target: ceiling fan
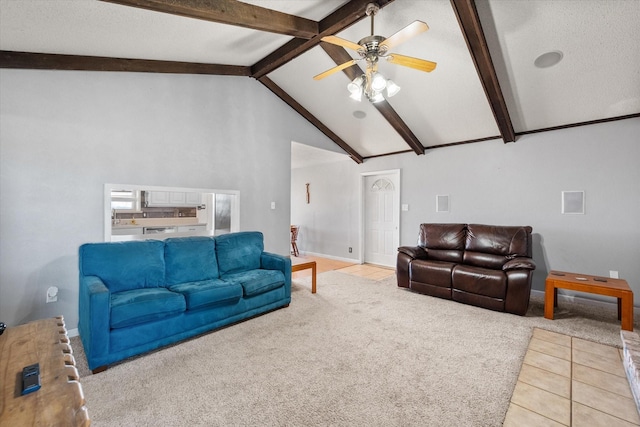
column 371, row 49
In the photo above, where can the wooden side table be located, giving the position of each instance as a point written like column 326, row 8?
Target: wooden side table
column 616, row 288
column 59, row 401
column 303, row 265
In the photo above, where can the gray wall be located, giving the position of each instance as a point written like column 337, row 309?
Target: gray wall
column 507, row 184
column 64, row 134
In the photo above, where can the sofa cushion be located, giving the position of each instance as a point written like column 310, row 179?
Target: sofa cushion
column 448, row 255
column 480, row 281
column 485, row 260
column 144, row 305
column 437, row 273
column 208, row 293
column 124, row 266
column 499, row 240
column 239, row 251
column 256, row 282
column 442, row 236
column 190, row 259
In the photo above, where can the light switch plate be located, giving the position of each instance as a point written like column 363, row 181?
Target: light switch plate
column 405, row 207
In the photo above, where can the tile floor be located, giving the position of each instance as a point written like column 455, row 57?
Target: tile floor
column 566, row 381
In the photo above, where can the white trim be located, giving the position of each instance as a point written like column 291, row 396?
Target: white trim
column 336, row 258
column 73, row 333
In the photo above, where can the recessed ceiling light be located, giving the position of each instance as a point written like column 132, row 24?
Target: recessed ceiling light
column 548, row 59
column 359, row 114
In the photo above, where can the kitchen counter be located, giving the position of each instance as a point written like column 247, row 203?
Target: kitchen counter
column 159, row 236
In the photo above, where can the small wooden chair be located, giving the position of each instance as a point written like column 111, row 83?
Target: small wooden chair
column 294, row 239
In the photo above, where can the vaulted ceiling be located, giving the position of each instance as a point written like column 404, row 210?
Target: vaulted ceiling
column 486, row 84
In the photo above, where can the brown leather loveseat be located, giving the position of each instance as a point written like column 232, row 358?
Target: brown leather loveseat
column 488, row 266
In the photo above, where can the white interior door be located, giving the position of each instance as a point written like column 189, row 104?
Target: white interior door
column 381, row 218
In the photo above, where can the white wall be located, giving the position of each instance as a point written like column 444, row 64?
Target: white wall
column 507, row 184
column 64, row 134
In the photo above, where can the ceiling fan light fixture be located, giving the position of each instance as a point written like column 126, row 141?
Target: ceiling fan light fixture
column 356, row 85
column 392, row 88
column 376, row 97
column 356, row 96
column 378, row 82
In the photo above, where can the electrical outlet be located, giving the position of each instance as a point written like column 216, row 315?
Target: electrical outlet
column 52, row 294
column 350, row 249
column 613, row 274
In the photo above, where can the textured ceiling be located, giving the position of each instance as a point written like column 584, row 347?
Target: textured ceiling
column 598, row 77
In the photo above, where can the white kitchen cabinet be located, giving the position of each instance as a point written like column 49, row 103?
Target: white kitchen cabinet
column 193, row 199
column 177, row 199
column 157, row 198
column 192, row 228
column 173, row 198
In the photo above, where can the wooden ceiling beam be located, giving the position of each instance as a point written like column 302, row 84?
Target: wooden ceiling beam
column 231, row 12
column 49, row 61
column 469, row 21
column 310, row 117
column 339, row 20
column 340, row 56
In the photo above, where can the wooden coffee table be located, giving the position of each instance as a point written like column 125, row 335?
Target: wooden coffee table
column 616, row 288
column 59, row 401
column 297, row 265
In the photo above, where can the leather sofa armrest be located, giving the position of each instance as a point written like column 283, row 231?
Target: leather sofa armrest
column 415, row 252
column 519, row 263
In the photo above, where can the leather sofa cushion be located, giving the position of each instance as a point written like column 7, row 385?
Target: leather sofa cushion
column 480, row 281
column 124, row 266
column 208, row 293
column 437, row 273
column 481, row 259
column 256, row 282
column 190, row 259
column 239, row 251
column 449, row 255
column 442, row 236
column 136, row 306
column 499, row 240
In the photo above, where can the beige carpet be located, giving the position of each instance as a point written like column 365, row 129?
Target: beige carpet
column 357, row 353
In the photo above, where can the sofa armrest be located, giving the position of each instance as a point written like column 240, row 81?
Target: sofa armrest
column 94, row 313
column 269, row 261
column 519, row 263
column 415, row 252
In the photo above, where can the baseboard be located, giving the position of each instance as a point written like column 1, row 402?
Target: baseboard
column 335, row 258
column 72, row 333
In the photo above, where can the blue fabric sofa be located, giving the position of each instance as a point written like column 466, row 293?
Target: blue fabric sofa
column 137, row 296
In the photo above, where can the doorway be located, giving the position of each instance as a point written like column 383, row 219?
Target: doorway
column 381, row 217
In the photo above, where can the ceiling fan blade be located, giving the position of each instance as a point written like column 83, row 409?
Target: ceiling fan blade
column 408, row 61
column 341, row 42
column 335, row 69
column 411, row 30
